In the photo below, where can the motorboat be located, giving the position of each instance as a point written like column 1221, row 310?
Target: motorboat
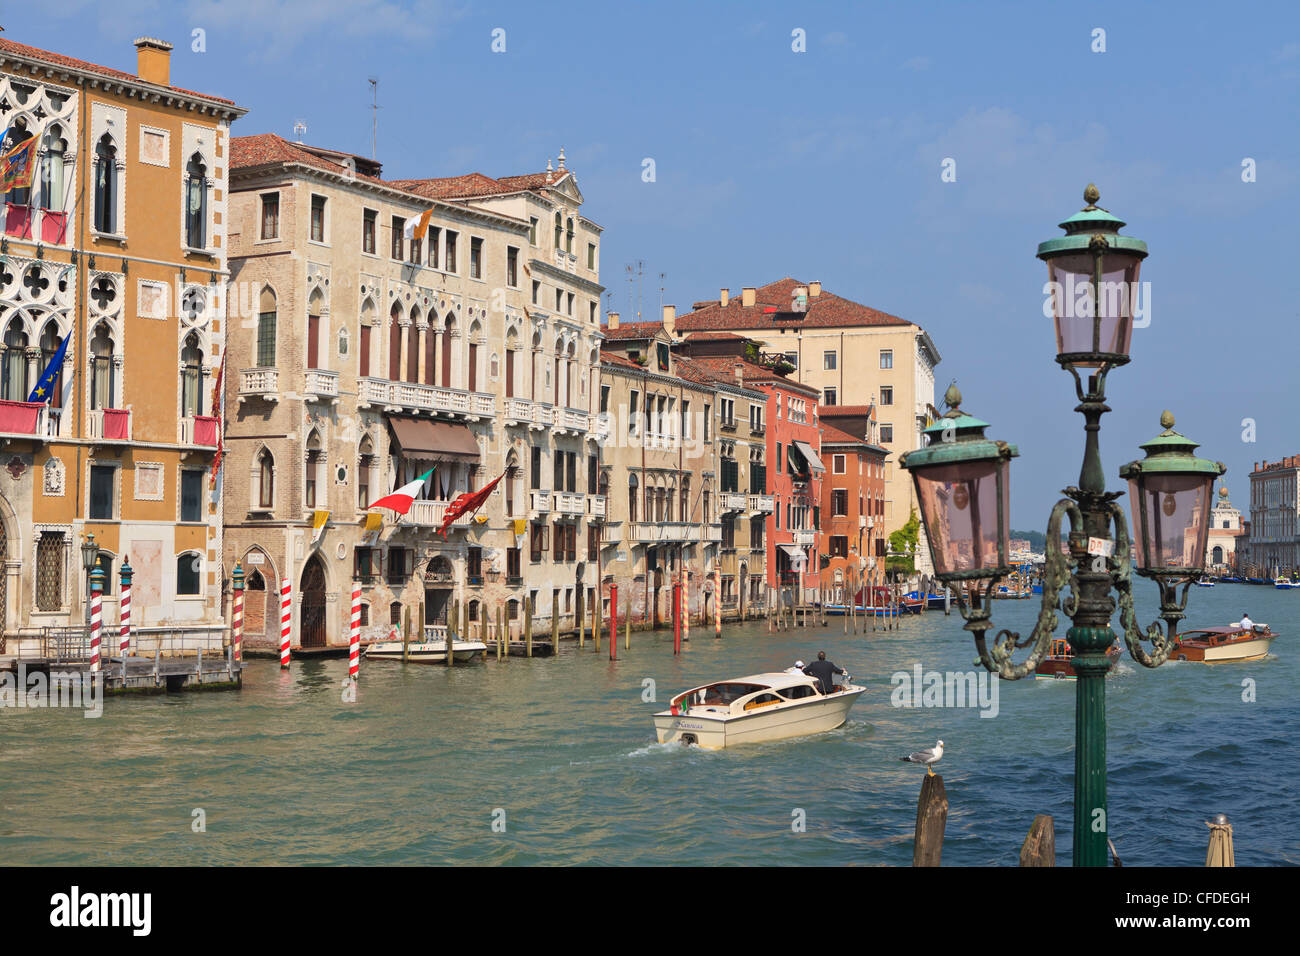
column 1221, row 645
column 1284, row 583
column 1205, row 583
column 431, row 650
column 754, row 709
column 1059, row 662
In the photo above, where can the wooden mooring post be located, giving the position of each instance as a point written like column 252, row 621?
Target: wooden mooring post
column 931, row 818
column 406, row 634
column 451, row 626
column 528, row 627
column 1039, row 848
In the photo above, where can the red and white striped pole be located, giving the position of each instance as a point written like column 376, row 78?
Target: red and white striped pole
column 717, row 602
column 285, row 590
column 354, row 650
column 237, row 615
column 96, row 597
column 124, row 611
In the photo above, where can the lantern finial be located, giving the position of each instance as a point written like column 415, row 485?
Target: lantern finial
column 952, row 397
column 1091, row 194
column 1167, row 419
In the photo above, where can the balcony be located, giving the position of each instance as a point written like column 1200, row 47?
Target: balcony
column 713, row 533
column 411, row 396
column 596, row 506
column 731, row 501
column 541, row 500
column 322, row 384
column 429, row 514
column 523, row 411
column 803, row 538
column 566, row 261
column 603, row 424
column 647, row 533
column 198, row 430
column 572, row 419
column 262, row 383
column 568, row 503
column 762, row 504
column 24, row 418
column 110, row 424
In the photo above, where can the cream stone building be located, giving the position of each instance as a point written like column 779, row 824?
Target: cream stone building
column 366, row 357
column 1225, row 531
column 854, row 355
column 119, row 246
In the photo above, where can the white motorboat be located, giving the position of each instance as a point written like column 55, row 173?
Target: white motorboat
column 432, row 650
column 1284, row 583
column 754, row 709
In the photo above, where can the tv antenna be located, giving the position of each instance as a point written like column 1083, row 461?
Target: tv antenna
column 374, row 113
column 299, row 128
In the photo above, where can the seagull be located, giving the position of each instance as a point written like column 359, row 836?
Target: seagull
column 928, row 757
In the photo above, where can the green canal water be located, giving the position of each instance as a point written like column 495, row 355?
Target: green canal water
column 561, row 754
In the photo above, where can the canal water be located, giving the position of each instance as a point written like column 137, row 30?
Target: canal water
column 553, row 761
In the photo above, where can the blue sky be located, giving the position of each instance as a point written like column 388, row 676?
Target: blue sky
column 826, row 165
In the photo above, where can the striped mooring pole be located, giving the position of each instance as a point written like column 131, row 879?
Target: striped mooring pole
column 285, row 590
column 354, row 647
column 237, row 615
column 124, row 612
column 96, row 599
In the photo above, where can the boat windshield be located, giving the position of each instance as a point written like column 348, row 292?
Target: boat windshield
column 798, row 692
column 725, row 693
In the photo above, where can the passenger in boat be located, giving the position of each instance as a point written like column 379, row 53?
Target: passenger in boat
column 824, row 671
column 1246, row 623
column 797, row 669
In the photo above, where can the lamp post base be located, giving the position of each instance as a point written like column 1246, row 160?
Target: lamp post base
column 1091, row 823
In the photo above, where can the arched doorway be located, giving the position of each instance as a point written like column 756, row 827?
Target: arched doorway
column 1216, row 557
column 311, row 620
column 439, row 580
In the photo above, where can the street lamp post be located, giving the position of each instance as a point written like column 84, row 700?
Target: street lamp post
column 962, row 483
column 89, row 558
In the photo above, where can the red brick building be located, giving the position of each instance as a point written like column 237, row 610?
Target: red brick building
column 853, row 491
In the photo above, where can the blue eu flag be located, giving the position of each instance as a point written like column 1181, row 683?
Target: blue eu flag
column 45, row 384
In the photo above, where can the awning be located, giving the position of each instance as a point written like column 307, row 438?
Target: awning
column 793, row 550
column 814, row 462
column 427, row 440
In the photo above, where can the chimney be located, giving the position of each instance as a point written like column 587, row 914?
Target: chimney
column 814, row 289
column 747, row 297
column 739, row 369
column 724, row 298
column 611, row 320
column 670, row 319
column 153, row 60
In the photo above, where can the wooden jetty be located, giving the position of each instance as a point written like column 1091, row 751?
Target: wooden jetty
column 144, row 675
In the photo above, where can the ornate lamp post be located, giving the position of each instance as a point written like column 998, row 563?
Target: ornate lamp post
column 961, row 481
column 89, row 559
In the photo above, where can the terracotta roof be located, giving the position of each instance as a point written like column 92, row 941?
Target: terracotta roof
column 613, row 358
column 247, row 152
column 714, row 337
column 58, row 59
column 476, row 185
column 772, row 308
column 752, row 373
column 633, row 331
column 828, row 411
column 837, row 437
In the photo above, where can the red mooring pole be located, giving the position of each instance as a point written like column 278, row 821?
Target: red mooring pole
column 613, row 621
column 677, row 618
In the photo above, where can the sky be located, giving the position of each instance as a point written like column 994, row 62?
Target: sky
column 825, row 163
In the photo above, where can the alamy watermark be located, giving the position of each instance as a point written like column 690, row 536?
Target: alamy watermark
column 922, row 688
column 1078, row 301
column 39, row 689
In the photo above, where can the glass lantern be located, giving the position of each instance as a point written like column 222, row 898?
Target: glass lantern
column 1170, row 492
column 962, row 483
column 1093, row 285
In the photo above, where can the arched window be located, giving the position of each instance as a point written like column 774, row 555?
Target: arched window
column 266, row 329
column 102, row 394
column 413, row 347
column 191, row 377
column 196, row 203
column 14, row 384
column 52, row 189
column 431, row 352
column 105, row 185
column 365, row 464
column 631, row 498
column 559, row 231
column 395, row 343
column 395, row 614
column 255, row 582
column 188, row 568
column 50, row 340
column 265, row 479
column 311, row 469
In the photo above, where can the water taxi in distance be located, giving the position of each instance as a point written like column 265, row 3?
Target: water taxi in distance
column 1057, row 664
column 1284, row 583
column 1219, row 645
column 754, row 709
column 431, row 650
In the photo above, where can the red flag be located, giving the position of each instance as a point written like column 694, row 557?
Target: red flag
column 467, row 501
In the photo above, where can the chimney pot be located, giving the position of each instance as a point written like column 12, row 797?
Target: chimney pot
column 814, row 289
column 153, row 60
column 725, row 297
column 611, row 321
column 747, row 297
column 670, row 319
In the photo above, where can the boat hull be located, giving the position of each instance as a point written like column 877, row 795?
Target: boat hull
column 424, row 652
column 780, row 722
column 1251, row 650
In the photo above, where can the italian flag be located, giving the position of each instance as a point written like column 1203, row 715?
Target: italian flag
column 400, row 500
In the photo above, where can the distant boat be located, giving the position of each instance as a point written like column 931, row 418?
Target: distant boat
column 838, row 610
column 1058, row 665
column 1205, row 583
column 1284, row 583
column 1218, row 645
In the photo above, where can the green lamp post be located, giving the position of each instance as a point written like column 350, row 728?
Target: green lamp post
column 962, row 484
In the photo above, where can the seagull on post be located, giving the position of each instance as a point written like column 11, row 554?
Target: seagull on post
column 927, row 757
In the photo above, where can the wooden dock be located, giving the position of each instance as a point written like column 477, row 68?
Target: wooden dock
column 144, row 675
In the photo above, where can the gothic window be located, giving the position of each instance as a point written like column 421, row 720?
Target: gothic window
column 196, row 203
column 265, row 479
column 50, row 340
column 266, row 330
column 106, row 185
column 101, row 369
column 191, row 377
column 13, row 384
column 52, row 181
